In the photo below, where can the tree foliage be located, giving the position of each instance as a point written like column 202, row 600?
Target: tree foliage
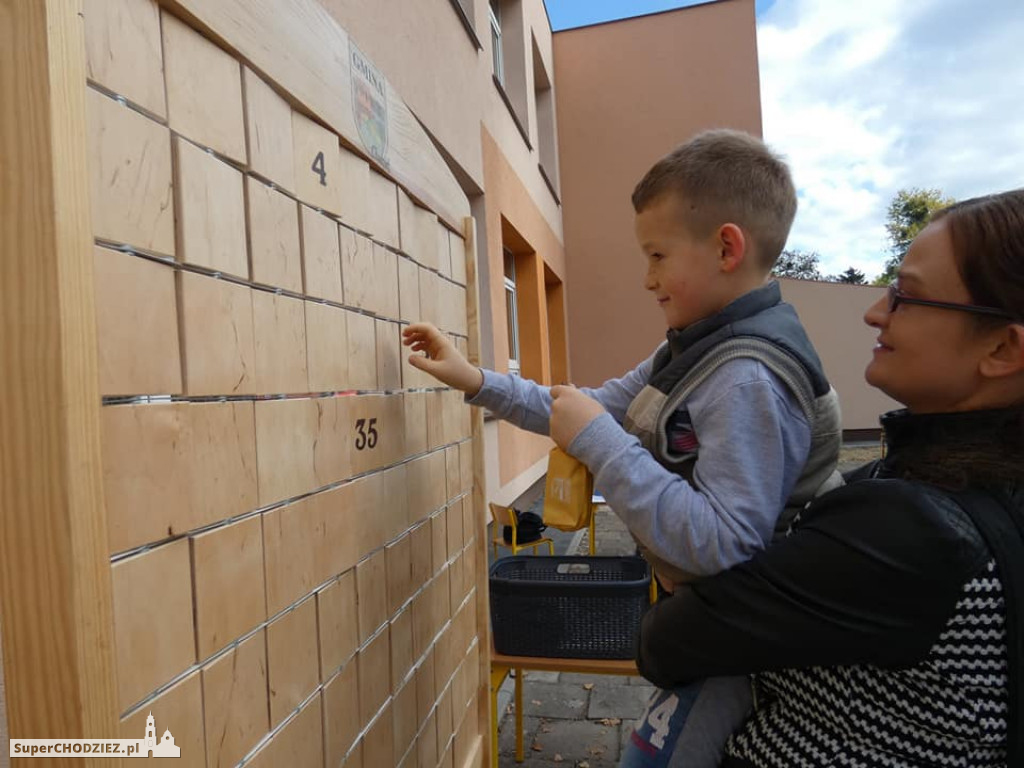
column 803, row 265
column 907, row 215
column 851, row 276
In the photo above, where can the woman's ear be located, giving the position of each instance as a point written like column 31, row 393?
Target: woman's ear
column 1006, row 355
column 732, row 245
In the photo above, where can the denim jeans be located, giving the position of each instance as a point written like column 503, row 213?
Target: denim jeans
column 687, row 727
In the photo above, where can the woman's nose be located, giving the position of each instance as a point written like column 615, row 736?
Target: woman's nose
column 877, row 315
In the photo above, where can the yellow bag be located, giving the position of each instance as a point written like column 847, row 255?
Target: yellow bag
column 568, row 491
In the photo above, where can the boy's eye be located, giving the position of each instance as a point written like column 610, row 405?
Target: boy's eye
column 656, row 257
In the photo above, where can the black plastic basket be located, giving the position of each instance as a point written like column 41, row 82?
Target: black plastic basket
column 568, row 607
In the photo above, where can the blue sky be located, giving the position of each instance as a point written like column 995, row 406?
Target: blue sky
column 566, row 14
column 869, row 97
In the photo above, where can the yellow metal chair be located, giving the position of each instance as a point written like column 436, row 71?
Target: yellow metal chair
column 503, row 516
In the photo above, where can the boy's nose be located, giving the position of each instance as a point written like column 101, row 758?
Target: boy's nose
column 650, row 283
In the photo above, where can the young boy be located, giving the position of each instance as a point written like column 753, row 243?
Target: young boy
column 701, row 447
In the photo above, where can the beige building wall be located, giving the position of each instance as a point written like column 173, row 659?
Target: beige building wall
column 628, row 92
column 833, row 314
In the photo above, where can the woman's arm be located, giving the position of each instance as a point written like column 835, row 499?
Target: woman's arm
column 870, row 577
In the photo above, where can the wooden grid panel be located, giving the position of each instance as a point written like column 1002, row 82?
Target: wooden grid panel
column 316, row 553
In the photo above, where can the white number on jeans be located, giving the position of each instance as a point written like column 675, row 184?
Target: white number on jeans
column 659, row 718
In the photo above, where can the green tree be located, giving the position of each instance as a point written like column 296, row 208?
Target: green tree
column 851, row 275
column 907, row 215
column 802, row 265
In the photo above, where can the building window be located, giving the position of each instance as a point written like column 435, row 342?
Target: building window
column 547, row 139
column 511, row 312
column 497, row 60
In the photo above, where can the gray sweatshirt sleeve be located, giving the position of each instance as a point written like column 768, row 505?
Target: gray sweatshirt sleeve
column 527, row 404
column 753, row 440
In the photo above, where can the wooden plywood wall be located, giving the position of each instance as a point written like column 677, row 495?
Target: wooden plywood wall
column 297, row 563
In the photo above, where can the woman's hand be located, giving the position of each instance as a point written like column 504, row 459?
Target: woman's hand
column 571, row 411
column 441, row 359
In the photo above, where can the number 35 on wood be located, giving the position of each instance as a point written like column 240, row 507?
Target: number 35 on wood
column 366, row 434
column 317, row 164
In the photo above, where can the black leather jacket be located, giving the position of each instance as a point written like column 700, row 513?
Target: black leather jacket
column 871, row 573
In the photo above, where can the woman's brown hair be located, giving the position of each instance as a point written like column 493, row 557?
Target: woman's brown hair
column 988, row 244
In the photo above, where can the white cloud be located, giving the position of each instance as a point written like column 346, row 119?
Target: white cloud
column 869, row 97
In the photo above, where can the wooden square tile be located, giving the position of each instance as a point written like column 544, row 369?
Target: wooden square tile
column 204, row 90
column 280, row 333
column 439, row 539
column 401, row 648
column 377, row 431
column 273, row 224
column 130, row 176
column 318, row 178
column 210, row 202
column 374, row 662
column 415, row 405
column 341, row 714
column 268, row 130
column 332, row 452
column 389, row 351
column 300, row 744
column 355, row 179
column 379, row 740
column 193, row 461
column 444, row 719
column 430, row 289
column 123, row 52
column 421, row 564
column 327, row 347
column 385, row 282
column 152, row 595
column 291, row 536
column 426, row 742
column 426, row 485
column 441, row 236
column 452, row 471
column 382, row 209
column 358, row 270
column 399, row 564
column 235, row 702
column 338, row 623
column 136, row 325
column 403, row 710
column 286, row 432
column 371, row 588
column 454, row 530
column 426, row 690
column 229, row 583
column 457, row 250
column 321, row 255
column 408, row 290
column 466, row 463
column 362, row 351
column 292, row 663
column 179, row 708
column 217, row 336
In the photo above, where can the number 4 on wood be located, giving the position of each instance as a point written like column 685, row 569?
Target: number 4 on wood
column 318, row 168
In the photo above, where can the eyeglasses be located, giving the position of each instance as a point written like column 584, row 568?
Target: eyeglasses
column 896, row 298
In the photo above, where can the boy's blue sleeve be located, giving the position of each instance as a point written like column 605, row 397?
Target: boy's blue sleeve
column 753, row 443
column 527, row 404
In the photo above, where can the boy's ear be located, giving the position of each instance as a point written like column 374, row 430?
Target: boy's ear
column 732, row 245
column 1006, row 355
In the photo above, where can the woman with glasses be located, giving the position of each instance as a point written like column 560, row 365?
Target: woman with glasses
column 888, row 628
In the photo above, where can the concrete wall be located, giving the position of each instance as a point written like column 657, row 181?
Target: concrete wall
column 628, row 92
column 833, row 314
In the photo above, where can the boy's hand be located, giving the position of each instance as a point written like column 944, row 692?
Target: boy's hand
column 441, row 359
column 571, row 411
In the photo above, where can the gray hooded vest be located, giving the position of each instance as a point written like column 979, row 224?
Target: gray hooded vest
column 757, row 325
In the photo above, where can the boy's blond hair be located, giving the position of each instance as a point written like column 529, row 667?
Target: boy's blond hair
column 724, row 176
